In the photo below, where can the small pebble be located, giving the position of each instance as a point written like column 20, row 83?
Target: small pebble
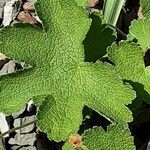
column 28, row 148
column 17, row 114
column 23, row 139
column 1, row 145
column 25, row 17
column 15, row 147
column 3, row 124
column 22, row 121
column 8, row 68
column 28, row 6
column 2, row 56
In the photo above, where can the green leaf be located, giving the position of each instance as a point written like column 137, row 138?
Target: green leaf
column 82, row 2
column 140, row 30
column 129, row 63
column 60, row 73
column 145, row 8
column 68, row 146
column 98, row 38
column 116, row 137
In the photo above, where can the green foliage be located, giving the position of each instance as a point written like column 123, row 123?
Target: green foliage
column 59, row 72
column 129, row 63
column 61, row 81
column 145, row 8
column 116, row 137
column 139, row 78
column 83, row 3
column 140, row 29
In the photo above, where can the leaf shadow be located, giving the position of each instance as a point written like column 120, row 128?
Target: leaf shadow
column 97, row 39
column 140, row 127
column 92, row 118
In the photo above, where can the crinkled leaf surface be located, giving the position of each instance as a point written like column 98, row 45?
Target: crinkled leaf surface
column 116, row 137
column 129, row 61
column 145, row 4
column 140, row 30
column 82, row 2
column 59, row 71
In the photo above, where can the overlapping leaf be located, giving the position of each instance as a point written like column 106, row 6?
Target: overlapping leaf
column 116, row 137
column 82, row 2
column 140, row 29
column 145, row 8
column 129, row 61
column 59, row 72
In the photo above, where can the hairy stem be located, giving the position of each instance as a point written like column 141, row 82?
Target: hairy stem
column 17, row 128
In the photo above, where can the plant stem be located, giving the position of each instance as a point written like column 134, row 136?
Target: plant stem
column 17, row 128
column 111, row 10
column 118, row 30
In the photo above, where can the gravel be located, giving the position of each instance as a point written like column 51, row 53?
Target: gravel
column 25, row 120
column 23, row 139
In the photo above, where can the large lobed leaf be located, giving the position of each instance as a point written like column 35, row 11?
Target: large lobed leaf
column 59, row 72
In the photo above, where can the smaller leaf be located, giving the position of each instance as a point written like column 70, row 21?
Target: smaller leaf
column 129, row 63
column 140, row 30
column 128, row 59
column 145, row 8
column 117, row 137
